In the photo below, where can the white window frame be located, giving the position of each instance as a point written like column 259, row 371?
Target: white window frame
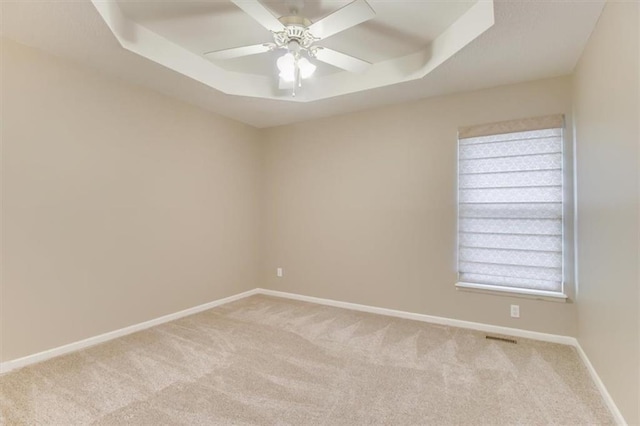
column 530, row 124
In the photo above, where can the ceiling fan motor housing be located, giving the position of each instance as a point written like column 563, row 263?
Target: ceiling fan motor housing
column 295, row 31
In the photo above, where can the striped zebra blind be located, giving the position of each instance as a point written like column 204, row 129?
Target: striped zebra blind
column 510, row 195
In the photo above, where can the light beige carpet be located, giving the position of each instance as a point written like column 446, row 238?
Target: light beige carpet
column 265, row 360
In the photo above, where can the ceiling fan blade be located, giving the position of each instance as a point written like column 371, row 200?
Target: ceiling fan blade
column 341, row 60
column 237, row 52
column 260, row 13
column 350, row 15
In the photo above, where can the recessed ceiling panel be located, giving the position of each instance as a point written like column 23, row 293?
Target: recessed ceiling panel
column 405, row 40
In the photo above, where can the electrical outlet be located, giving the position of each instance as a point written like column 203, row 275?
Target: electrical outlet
column 515, row 311
column 279, row 272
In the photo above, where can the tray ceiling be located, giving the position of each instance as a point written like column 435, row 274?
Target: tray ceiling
column 403, row 42
column 529, row 40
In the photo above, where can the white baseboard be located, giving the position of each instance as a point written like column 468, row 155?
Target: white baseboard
column 617, row 415
column 554, row 338
column 81, row 344
column 566, row 340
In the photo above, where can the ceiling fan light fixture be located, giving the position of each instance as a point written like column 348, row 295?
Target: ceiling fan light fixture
column 288, row 76
column 306, row 68
column 287, row 66
column 286, row 63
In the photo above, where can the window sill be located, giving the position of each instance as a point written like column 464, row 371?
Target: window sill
column 551, row 296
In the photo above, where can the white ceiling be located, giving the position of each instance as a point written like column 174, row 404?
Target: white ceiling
column 398, row 29
column 529, row 40
column 180, row 37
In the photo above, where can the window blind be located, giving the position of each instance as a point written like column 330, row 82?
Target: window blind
column 510, row 213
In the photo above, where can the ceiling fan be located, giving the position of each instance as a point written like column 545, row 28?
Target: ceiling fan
column 298, row 35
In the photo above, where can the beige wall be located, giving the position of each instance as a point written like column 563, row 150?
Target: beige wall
column 362, row 207
column 607, row 117
column 120, row 205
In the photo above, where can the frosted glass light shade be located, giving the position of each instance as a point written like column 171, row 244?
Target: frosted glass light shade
column 306, row 68
column 287, row 66
column 286, row 63
column 287, row 76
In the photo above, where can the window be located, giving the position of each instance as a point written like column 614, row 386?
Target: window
column 510, row 207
